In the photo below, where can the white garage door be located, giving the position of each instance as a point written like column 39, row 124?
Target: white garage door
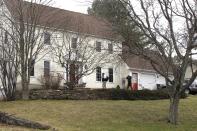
column 148, row 81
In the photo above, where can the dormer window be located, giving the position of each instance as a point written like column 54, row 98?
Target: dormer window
column 74, row 43
column 98, row 46
column 47, row 38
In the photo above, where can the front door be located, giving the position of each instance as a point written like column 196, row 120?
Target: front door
column 73, row 73
column 135, row 81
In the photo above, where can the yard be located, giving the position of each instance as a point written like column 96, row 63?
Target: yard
column 103, row 115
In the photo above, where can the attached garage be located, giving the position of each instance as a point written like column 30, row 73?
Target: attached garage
column 147, row 81
column 147, row 77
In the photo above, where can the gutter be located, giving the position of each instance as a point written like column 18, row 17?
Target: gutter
column 137, row 69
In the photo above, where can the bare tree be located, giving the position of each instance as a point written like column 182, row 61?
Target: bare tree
column 80, row 57
column 27, row 23
column 78, row 52
column 170, row 28
column 8, row 66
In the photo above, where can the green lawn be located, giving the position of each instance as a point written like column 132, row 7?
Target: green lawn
column 103, row 115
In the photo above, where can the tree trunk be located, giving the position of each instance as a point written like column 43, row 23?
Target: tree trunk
column 12, row 120
column 25, row 82
column 173, row 111
column 25, row 90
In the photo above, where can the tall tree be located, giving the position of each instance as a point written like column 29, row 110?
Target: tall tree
column 170, row 25
column 115, row 12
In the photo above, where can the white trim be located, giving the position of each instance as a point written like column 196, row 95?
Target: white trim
column 32, row 76
column 137, row 69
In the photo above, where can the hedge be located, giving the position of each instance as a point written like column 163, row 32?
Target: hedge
column 141, row 95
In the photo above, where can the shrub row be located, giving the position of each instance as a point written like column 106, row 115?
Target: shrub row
column 108, row 94
column 142, row 94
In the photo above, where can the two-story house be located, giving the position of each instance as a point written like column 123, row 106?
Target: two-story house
column 95, row 46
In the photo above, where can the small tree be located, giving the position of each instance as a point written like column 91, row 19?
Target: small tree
column 170, row 26
column 51, row 81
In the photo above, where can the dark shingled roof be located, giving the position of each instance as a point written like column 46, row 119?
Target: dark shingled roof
column 64, row 19
column 137, row 62
column 143, row 62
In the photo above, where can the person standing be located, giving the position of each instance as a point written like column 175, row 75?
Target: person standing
column 129, row 78
column 104, row 81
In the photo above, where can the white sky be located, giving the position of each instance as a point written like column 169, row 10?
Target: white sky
column 73, row 5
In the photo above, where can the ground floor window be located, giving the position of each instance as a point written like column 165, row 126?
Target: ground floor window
column 98, row 74
column 46, row 68
column 111, row 75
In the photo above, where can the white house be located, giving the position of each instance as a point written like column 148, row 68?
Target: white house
column 100, row 36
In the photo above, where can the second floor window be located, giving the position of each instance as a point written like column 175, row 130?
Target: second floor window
column 110, row 48
column 46, row 68
column 32, row 63
column 98, row 74
column 98, row 46
column 47, row 38
column 6, row 37
column 74, row 43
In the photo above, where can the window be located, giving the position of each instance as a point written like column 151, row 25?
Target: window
column 32, row 63
column 98, row 74
column 46, row 68
column 110, row 48
column 74, row 43
column 111, row 75
column 47, row 38
column 6, row 37
column 98, row 46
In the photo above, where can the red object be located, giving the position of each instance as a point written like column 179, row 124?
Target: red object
column 134, row 86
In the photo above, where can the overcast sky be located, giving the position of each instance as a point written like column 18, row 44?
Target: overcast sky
column 73, row 5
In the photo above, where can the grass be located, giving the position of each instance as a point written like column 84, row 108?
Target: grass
column 103, row 115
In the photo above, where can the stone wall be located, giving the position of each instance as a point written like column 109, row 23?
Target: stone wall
column 99, row 94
